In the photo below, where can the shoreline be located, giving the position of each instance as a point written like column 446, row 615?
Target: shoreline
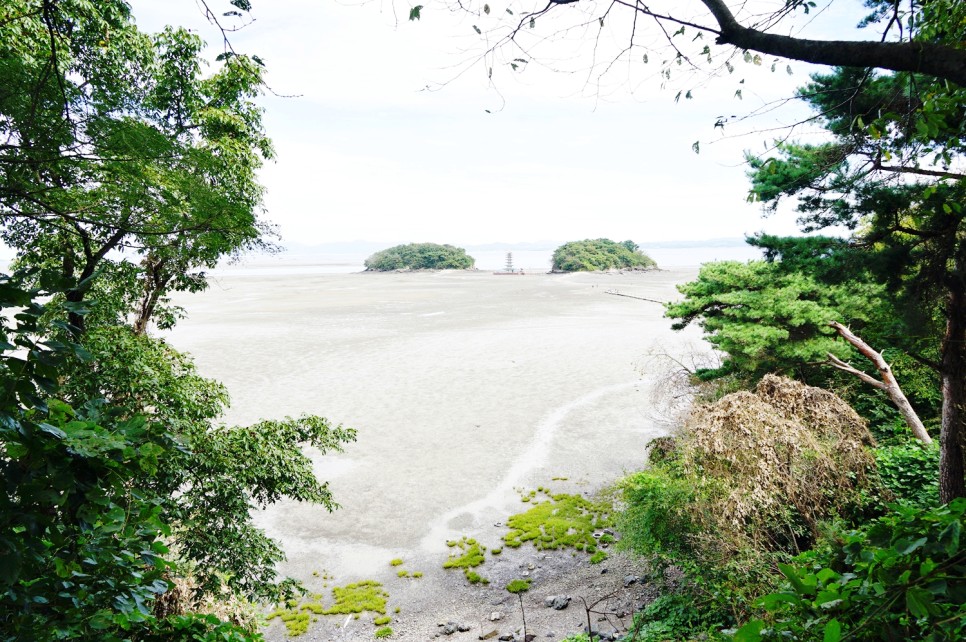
column 466, row 389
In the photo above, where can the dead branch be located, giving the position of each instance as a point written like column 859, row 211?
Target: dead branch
column 888, row 382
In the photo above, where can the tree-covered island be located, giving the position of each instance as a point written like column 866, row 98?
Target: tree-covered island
column 597, row 255
column 420, row 256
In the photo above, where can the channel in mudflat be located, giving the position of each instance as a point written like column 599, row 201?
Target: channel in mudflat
column 465, row 388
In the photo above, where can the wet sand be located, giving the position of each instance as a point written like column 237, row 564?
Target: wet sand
column 465, row 387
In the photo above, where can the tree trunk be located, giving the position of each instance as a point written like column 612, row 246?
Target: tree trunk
column 155, row 281
column 952, row 471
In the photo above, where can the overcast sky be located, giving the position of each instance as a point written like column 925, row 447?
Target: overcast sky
column 550, row 152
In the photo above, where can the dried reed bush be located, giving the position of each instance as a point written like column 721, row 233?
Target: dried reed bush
column 773, row 464
column 184, row 597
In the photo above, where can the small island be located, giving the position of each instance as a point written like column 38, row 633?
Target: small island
column 420, row 256
column 597, row 255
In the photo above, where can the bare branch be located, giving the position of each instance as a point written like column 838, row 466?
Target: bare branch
column 888, row 381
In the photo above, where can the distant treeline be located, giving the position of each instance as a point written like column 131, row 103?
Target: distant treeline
column 576, row 256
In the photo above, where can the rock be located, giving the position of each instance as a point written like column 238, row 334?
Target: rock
column 463, row 628
column 530, row 566
column 603, row 571
column 490, row 635
column 506, row 637
column 548, row 601
column 496, row 616
column 449, row 629
column 560, row 602
column 630, row 580
column 608, row 531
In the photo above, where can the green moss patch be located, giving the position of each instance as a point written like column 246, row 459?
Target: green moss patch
column 396, row 562
column 296, row 623
column 382, row 619
column 566, row 521
column 384, row 632
column 470, row 555
column 356, row 598
column 518, row 586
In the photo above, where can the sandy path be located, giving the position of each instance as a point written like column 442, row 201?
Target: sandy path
column 464, row 388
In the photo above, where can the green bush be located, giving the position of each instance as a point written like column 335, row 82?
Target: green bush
column 420, row 256
column 901, row 577
column 600, row 254
column 197, row 628
column 911, row 472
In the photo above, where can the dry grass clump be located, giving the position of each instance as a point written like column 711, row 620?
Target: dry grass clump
column 775, row 462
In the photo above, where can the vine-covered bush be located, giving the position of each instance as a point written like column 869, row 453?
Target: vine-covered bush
column 600, row 254
column 420, row 256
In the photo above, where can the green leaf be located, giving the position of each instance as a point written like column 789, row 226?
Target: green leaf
column 486, row 9
column 791, row 573
column 750, row 632
column 52, row 430
column 414, row 13
column 918, row 601
column 833, row 631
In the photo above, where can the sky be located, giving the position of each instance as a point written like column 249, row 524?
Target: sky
column 394, row 131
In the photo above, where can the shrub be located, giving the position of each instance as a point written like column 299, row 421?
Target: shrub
column 902, row 577
column 911, row 472
column 600, row 254
column 420, row 256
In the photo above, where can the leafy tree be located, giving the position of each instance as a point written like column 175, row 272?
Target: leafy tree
column 765, row 318
column 117, row 144
column 888, row 173
column 420, row 256
column 600, row 254
column 124, row 171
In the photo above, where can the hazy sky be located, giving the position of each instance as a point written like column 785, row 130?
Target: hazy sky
column 553, row 152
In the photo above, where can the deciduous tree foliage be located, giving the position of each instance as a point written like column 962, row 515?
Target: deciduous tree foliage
column 125, row 169
column 116, row 142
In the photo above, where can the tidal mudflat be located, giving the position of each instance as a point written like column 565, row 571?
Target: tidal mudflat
column 466, row 389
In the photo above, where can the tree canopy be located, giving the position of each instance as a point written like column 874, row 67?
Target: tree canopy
column 420, row 256
column 594, row 255
column 126, row 169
